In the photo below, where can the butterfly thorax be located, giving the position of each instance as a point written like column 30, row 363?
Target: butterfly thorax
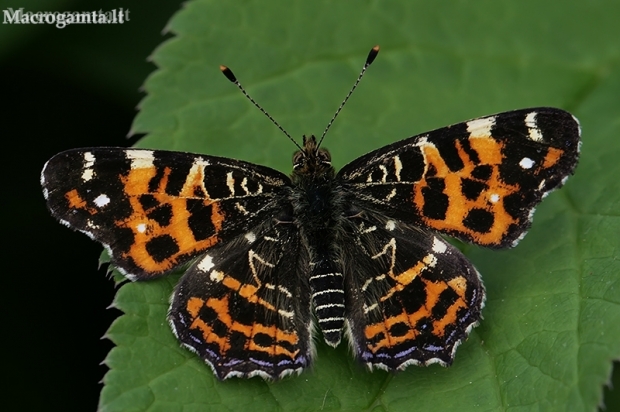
column 315, row 201
column 318, row 209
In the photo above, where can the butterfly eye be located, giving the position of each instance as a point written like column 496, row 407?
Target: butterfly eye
column 324, row 156
column 298, row 160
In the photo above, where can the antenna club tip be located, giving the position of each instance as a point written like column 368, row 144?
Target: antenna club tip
column 228, row 73
column 372, row 55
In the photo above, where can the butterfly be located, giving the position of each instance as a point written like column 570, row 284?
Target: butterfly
column 358, row 253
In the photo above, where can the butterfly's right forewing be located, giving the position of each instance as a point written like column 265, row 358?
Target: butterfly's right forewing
column 155, row 210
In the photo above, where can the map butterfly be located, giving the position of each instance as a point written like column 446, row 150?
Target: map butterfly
column 357, row 252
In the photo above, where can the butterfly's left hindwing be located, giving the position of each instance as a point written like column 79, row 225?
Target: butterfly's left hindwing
column 155, row 210
column 244, row 307
column 479, row 180
column 412, row 297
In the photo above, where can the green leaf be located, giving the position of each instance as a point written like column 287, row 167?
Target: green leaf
column 550, row 328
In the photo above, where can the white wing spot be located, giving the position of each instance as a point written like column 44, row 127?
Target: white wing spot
column 423, row 141
column 439, row 246
column 385, row 173
column 535, row 135
column 398, row 166
column 140, row 159
column 390, row 225
column 250, row 236
column 141, row 228
column 526, row 163
column 101, row 200
column 89, row 162
column 430, row 260
column 200, row 163
column 481, row 127
column 534, row 131
column 206, row 264
column 230, row 182
column 87, row 175
column 216, row 275
column 89, row 159
column 196, row 172
column 494, row 198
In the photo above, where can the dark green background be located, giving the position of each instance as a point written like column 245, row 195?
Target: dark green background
column 61, row 89
column 79, row 86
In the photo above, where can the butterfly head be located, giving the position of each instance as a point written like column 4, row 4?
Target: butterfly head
column 312, row 160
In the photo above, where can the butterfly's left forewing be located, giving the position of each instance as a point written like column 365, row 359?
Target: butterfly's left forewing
column 155, row 210
column 479, row 180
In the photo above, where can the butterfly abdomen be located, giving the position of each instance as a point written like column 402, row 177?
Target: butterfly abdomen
column 317, row 208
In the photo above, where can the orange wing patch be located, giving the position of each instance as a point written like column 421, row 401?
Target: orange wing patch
column 482, row 216
column 407, row 326
column 258, row 337
column 166, row 221
column 459, row 206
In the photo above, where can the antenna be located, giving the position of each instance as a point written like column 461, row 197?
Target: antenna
column 371, row 57
column 230, row 76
